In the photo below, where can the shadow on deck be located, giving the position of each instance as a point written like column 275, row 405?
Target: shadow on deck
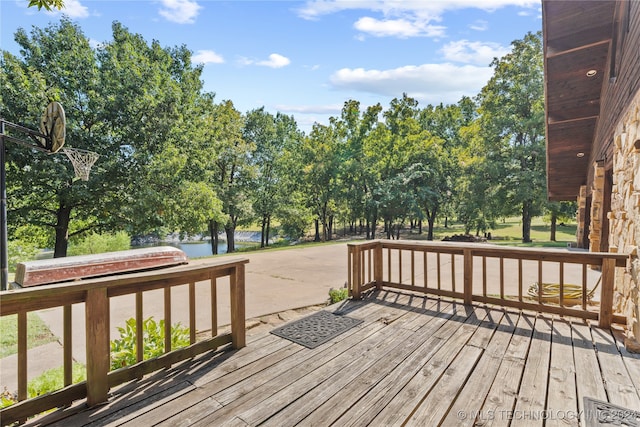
column 415, row 360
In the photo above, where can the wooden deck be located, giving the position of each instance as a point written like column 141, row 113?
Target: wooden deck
column 414, row 360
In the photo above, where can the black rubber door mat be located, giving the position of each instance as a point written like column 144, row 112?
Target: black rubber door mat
column 316, row 329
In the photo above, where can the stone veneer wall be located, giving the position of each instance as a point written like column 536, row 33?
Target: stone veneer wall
column 581, row 216
column 625, row 218
column 597, row 200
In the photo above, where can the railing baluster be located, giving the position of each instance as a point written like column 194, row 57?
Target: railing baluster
column 192, row 312
column 167, row 320
column 561, row 297
column 369, row 266
column 139, row 331
column 389, row 265
column 519, row 279
column 362, row 272
column 413, row 267
column 484, row 276
column 399, row 265
column 426, row 270
column 584, row 286
column 214, row 306
column 540, row 287
column 67, row 346
column 22, row 355
column 501, row 278
column 438, row 261
column 453, row 272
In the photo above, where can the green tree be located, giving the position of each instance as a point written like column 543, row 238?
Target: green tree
column 320, row 160
column 226, row 157
column 356, row 175
column 269, row 135
column 47, row 4
column 512, row 126
column 559, row 211
column 58, row 63
column 149, row 105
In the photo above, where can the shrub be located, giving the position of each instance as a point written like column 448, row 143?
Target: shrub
column 123, row 350
column 19, row 251
column 99, row 243
column 48, row 381
column 337, row 295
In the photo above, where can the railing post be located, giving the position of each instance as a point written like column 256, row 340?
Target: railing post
column 238, row 336
column 355, row 272
column 97, row 330
column 377, row 265
column 468, row 276
column 606, row 293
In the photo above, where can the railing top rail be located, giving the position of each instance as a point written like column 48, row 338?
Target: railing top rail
column 172, row 276
column 495, row 250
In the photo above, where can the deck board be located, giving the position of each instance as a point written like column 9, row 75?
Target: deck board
column 413, row 361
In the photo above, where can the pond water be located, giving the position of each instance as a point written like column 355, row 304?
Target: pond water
column 202, row 249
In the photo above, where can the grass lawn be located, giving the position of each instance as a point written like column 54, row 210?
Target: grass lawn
column 37, row 333
column 509, row 232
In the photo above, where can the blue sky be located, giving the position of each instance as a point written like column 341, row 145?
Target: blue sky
column 306, row 58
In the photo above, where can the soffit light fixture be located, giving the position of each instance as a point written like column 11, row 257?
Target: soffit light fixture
column 592, row 73
column 580, row 154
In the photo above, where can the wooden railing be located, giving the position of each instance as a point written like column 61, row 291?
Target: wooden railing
column 96, row 295
column 490, row 274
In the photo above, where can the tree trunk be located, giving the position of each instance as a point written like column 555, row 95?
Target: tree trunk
column 263, row 226
column 387, row 228
column 554, row 220
column 317, row 237
column 420, row 227
column 213, row 230
column 266, row 239
column 230, row 231
column 368, row 228
column 526, row 221
column 62, row 232
column 430, row 221
column 446, row 221
column 330, row 228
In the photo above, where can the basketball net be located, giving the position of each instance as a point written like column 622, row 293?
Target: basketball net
column 82, row 161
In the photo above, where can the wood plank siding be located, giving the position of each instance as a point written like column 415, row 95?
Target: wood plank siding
column 415, row 360
column 582, row 111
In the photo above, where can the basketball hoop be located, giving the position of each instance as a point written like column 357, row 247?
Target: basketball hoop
column 82, row 161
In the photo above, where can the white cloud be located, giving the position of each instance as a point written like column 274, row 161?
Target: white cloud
column 314, row 9
column 207, row 57
column 310, row 109
column 401, row 28
column 180, row 11
column 405, row 18
column 71, row 8
column 480, row 25
column 275, row 61
column 75, row 9
column 432, row 83
column 470, row 52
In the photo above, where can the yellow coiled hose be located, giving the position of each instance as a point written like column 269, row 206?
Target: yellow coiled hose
column 551, row 291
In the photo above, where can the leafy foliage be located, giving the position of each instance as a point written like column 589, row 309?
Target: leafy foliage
column 95, row 243
column 123, row 350
column 172, row 159
column 337, row 295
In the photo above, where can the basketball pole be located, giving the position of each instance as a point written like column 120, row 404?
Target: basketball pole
column 4, row 252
